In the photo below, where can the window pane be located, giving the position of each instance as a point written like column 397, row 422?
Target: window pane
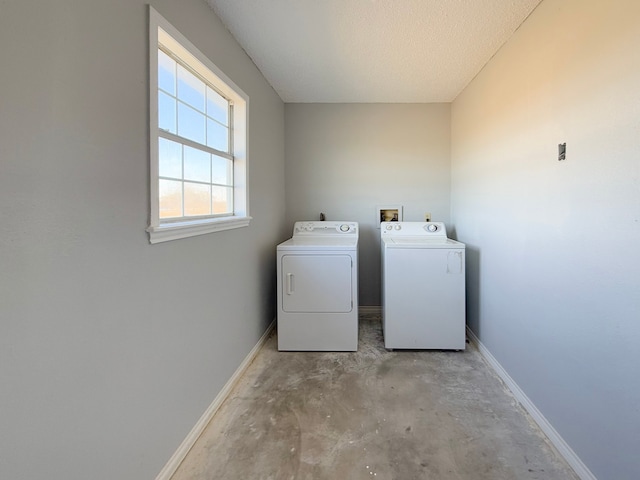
column 170, row 198
column 166, row 73
column 191, row 124
column 197, row 199
column 222, row 170
column 169, row 158
column 197, row 165
column 166, row 112
column 191, row 89
column 217, row 106
column 217, row 136
column 222, row 199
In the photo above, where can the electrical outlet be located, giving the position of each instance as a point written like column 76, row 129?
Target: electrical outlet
column 427, row 217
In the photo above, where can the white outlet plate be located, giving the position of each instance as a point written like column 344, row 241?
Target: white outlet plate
column 427, row 217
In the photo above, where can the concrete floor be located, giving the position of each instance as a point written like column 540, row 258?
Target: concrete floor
column 371, row 414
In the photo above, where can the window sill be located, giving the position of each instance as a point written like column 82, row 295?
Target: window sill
column 175, row 231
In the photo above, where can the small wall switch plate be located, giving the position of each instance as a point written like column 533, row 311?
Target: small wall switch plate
column 562, row 151
column 427, row 217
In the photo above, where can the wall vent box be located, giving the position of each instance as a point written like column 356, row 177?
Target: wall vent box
column 388, row 213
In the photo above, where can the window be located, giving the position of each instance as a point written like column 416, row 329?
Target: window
column 198, row 146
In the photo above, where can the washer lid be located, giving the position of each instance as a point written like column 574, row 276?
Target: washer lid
column 421, row 242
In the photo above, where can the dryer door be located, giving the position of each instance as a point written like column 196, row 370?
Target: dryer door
column 316, row 283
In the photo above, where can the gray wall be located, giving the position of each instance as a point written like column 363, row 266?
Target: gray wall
column 344, row 159
column 111, row 349
column 553, row 247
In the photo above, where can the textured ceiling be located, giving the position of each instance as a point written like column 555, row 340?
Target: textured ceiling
column 369, row 51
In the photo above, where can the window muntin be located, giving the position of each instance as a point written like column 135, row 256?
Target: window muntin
column 199, row 154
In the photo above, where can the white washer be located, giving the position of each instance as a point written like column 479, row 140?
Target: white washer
column 318, row 287
column 423, row 287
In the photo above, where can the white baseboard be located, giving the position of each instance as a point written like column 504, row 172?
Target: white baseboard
column 176, row 459
column 554, row 437
column 370, row 310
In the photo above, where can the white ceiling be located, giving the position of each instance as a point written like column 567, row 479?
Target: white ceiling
column 370, row 51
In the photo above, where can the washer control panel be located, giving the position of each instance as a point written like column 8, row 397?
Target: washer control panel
column 413, row 229
column 325, row 228
column 393, row 226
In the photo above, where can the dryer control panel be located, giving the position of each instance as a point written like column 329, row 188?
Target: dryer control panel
column 325, row 228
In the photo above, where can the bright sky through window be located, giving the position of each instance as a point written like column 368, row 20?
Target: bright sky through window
column 193, row 180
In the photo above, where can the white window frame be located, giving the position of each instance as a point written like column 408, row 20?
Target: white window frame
column 161, row 230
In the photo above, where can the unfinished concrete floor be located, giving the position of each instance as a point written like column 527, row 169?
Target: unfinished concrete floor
column 371, row 414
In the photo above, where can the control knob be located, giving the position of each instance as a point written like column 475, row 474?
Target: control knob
column 344, row 227
column 432, row 228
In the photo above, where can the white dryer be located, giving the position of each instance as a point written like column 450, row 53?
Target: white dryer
column 317, row 287
column 423, row 287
